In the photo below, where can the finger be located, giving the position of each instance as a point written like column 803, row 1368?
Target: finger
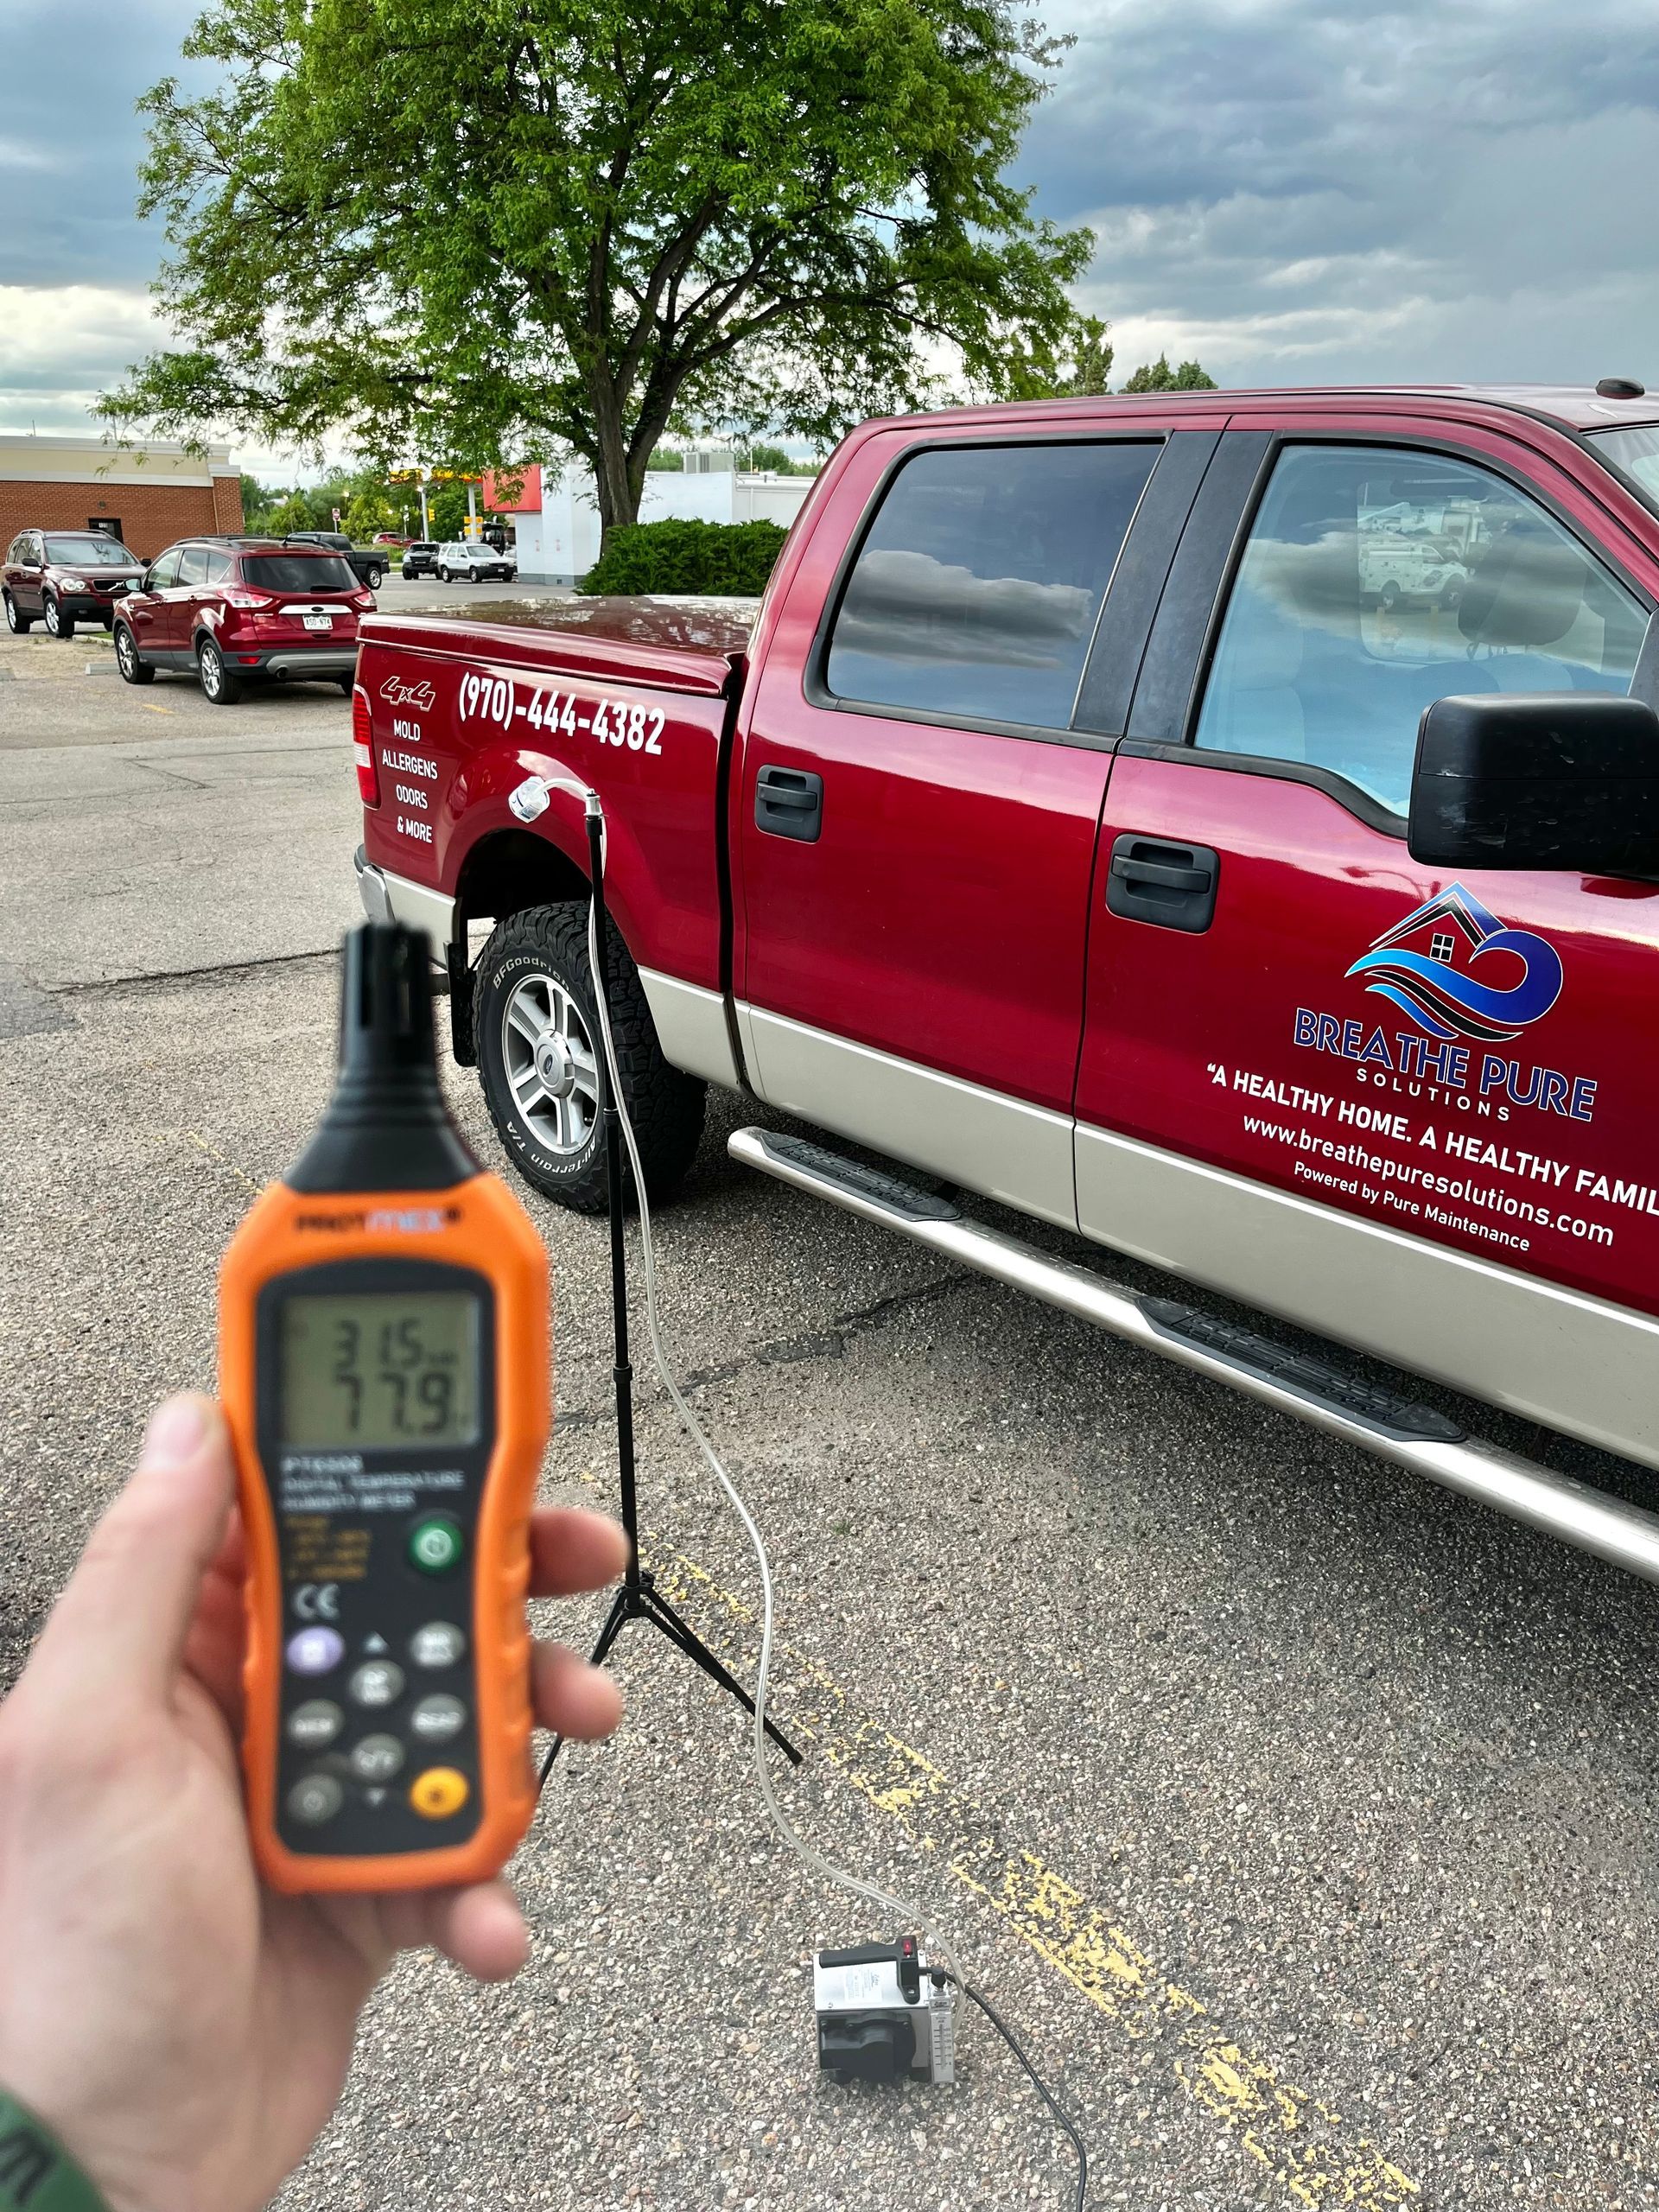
column 572, row 1551
column 481, row 1928
column 120, row 1626
column 570, row 1697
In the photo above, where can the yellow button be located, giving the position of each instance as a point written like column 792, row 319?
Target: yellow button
column 438, row 1793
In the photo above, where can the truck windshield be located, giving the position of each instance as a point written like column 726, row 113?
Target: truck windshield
column 298, row 572
column 1635, row 454
column 95, row 551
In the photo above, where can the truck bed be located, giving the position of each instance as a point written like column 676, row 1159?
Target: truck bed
column 687, row 646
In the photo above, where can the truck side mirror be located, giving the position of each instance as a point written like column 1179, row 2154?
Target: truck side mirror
column 1549, row 779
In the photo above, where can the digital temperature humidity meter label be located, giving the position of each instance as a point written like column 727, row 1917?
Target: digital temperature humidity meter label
column 384, row 1366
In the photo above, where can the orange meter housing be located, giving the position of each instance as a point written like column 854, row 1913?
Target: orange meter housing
column 383, row 1365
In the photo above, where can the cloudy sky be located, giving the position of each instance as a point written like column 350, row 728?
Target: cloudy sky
column 1294, row 191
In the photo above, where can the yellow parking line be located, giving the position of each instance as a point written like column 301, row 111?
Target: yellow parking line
column 1293, row 2134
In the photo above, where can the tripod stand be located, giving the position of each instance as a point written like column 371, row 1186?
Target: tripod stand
column 639, row 1597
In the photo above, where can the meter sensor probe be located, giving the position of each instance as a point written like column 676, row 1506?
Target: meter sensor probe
column 384, row 1366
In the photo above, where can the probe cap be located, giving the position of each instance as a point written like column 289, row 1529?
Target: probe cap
column 386, row 1127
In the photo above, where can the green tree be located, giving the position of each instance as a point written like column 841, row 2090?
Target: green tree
column 779, row 462
column 1158, row 376
column 520, row 223
column 293, row 512
column 255, row 498
column 1091, row 370
column 365, row 512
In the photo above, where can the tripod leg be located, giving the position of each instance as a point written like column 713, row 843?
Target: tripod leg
column 615, row 1620
column 657, row 1609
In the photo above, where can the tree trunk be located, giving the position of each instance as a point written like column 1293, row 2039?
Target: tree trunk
column 616, row 485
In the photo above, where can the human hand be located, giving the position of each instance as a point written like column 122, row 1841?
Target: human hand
column 185, row 2032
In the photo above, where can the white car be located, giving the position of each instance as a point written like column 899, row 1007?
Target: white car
column 469, row 559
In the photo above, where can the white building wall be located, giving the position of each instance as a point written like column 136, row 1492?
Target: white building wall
column 561, row 543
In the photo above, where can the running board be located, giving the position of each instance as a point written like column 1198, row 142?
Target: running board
column 1379, row 1421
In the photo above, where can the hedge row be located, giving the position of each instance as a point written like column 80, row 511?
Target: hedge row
column 718, row 557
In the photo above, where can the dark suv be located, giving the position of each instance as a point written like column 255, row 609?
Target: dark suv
column 64, row 576
column 420, row 558
column 233, row 609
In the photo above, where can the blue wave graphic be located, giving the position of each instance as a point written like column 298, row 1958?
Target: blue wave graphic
column 1450, row 1002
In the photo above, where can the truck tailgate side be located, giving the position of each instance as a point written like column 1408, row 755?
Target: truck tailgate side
column 467, row 716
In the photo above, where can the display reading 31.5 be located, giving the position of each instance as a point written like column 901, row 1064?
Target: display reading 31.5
column 380, row 1370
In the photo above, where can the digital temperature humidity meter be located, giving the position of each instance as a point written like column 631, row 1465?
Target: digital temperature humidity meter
column 384, row 1366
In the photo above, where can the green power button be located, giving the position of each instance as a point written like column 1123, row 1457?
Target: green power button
column 436, row 1545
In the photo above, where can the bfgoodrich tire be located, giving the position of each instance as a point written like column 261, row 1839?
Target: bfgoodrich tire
column 537, row 1040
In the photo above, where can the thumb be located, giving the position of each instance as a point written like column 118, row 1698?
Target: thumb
column 119, row 1627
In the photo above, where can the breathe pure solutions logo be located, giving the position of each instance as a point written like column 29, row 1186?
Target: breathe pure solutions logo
column 1462, row 978
column 1452, row 1000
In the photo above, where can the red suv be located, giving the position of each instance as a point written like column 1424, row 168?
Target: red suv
column 64, row 576
column 233, row 608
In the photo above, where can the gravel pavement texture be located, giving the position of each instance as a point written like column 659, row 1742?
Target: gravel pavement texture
column 1301, row 1816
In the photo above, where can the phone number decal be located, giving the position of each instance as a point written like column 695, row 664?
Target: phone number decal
column 612, row 722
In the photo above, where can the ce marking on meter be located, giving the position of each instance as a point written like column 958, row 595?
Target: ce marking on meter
column 317, row 1601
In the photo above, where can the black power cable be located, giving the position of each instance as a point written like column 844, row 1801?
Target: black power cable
column 1036, row 2079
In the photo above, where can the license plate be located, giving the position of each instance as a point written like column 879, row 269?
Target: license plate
column 318, row 622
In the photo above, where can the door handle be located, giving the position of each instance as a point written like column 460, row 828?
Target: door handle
column 789, row 803
column 1173, row 886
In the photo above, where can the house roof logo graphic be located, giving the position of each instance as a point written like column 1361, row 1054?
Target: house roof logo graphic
column 1439, row 989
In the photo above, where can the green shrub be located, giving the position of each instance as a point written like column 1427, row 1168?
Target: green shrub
column 717, row 557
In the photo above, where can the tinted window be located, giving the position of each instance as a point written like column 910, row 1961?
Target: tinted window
column 219, row 567
column 92, row 551
column 1375, row 582
column 192, row 565
column 975, row 591
column 297, row 572
column 165, row 572
column 1635, row 454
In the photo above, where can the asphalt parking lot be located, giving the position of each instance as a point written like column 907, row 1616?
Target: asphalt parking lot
column 1304, row 1818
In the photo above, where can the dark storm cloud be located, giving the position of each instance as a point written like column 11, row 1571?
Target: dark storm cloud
column 1298, row 191
column 1294, row 190
column 70, row 141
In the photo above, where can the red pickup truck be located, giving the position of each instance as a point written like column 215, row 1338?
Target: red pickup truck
column 1093, row 820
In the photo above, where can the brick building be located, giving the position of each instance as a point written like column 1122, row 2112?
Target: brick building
column 149, row 495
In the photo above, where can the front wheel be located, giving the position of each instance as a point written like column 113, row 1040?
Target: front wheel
column 537, row 1039
column 132, row 669
column 221, row 687
column 17, row 623
column 58, row 624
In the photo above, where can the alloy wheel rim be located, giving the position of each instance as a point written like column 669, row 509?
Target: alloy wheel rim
column 210, row 671
column 52, row 616
column 124, row 652
column 551, row 1072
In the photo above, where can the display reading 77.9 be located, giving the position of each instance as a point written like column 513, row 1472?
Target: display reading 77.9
column 379, row 1371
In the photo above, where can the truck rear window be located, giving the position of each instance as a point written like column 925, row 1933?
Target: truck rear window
column 298, row 572
column 975, row 590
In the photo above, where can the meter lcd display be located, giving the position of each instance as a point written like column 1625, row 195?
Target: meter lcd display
column 379, row 1371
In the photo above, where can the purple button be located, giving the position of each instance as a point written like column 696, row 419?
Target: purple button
column 315, row 1650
